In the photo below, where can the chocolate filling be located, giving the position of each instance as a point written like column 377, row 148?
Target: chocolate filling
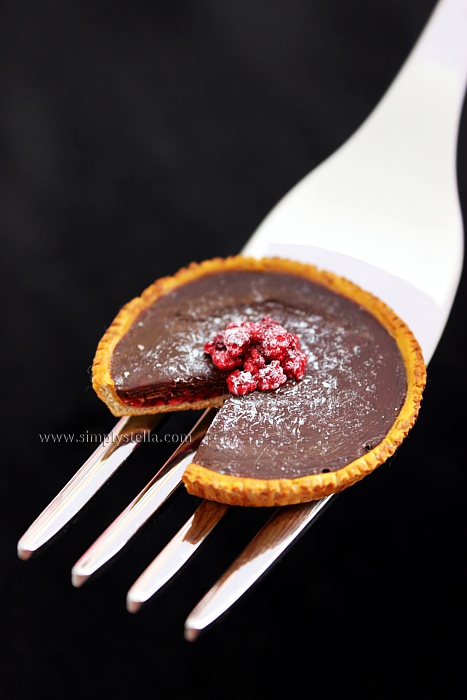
column 352, row 392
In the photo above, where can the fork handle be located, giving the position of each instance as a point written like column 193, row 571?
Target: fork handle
column 427, row 95
column 381, row 200
column 444, row 44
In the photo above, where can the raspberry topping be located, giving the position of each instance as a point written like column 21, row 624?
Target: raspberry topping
column 271, row 376
column 253, row 360
column 262, row 355
column 294, row 363
column 241, row 383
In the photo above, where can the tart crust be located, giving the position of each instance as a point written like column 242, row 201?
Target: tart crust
column 232, row 490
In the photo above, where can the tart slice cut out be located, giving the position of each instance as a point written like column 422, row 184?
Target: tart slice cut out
column 356, row 401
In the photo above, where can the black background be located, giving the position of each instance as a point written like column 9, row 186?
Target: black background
column 137, row 137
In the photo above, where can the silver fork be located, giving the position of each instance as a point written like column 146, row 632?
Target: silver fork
column 382, row 211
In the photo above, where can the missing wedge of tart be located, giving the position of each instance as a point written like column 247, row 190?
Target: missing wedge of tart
column 321, row 430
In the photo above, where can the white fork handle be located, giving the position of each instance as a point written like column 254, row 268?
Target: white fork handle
column 388, row 196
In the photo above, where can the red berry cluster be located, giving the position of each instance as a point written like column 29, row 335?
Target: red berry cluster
column 266, row 352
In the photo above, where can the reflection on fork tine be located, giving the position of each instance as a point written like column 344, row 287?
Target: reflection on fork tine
column 125, row 437
column 270, row 542
column 143, row 506
column 176, row 553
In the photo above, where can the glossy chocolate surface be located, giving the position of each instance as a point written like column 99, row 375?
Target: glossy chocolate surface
column 351, row 394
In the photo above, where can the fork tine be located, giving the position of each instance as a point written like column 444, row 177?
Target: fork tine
column 176, row 553
column 264, row 549
column 143, row 506
column 125, row 437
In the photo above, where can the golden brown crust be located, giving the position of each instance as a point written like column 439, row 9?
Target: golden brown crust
column 274, row 492
column 278, row 492
column 102, row 381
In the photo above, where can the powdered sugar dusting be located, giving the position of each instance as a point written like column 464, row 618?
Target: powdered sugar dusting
column 343, row 405
column 349, row 397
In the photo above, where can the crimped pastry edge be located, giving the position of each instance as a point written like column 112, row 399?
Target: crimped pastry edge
column 231, row 490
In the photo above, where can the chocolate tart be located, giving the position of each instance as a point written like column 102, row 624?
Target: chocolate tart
column 359, row 397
